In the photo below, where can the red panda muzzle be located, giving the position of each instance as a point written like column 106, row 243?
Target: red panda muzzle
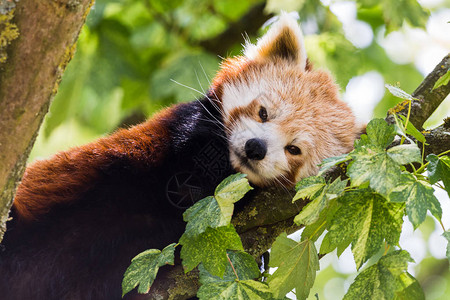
column 255, row 149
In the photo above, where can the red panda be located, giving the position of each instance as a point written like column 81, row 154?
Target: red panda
column 80, row 216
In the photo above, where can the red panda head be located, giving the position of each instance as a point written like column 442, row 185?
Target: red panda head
column 281, row 117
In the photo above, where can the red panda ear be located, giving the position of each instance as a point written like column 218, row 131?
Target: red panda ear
column 284, row 39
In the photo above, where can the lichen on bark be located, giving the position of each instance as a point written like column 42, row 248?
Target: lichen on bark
column 8, row 32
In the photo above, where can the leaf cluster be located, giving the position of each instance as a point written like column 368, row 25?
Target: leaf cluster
column 366, row 211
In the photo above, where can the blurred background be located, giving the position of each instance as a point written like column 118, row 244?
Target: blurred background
column 130, row 52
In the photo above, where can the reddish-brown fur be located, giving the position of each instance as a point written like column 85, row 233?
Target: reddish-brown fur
column 69, row 174
column 81, row 216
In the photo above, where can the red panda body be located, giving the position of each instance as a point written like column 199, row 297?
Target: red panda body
column 79, row 217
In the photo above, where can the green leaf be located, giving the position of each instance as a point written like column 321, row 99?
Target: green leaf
column 443, row 80
column 439, row 169
column 372, row 163
column 446, row 234
column 396, row 12
column 332, row 161
column 235, row 290
column 229, row 191
column 209, row 248
column 203, row 214
column 375, row 167
column 419, row 198
column 412, row 130
column 144, row 267
column 308, row 187
column 310, row 213
column 314, row 230
column 408, row 288
column 216, row 211
column 405, row 154
column 379, row 133
column 229, row 287
column 381, row 280
column 244, row 264
column 297, row 265
column 366, row 219
column 398, row 92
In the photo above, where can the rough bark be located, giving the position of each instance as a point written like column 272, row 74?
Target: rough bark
column 428, row 99
column 48, row 31
column 271, row 211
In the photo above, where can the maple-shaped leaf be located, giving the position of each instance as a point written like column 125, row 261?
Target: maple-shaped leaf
column 203, row 214
column 367, row 219
column 405, row 154
column 308, row 187
column 237, row 282
column 235, row 290
column 209, row 248
column 332, row 161
column 229, row 191
column 374, row 166
column 408, row 288
column 372, row 163
column 244, row 267
column 439, row 169
column 381, row 280
column 379, row 133
column 216, row 211
column 314, row 230
column 446, row 235
column 144, row 267
column 321, row 195
column 297, row 264
column 419, row 197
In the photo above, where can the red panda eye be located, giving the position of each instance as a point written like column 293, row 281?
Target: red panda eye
column 263, row 114
column 294, row 150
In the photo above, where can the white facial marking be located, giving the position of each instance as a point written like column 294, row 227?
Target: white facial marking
column 273, row 164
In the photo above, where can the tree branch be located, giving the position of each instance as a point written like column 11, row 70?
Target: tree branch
column 428, row 99
column 29, row 79
column 271, row 211
column 250, row 23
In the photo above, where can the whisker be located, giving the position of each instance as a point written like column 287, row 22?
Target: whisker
column 195, row 90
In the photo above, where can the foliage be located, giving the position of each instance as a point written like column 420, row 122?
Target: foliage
column 130, row 58
column 365, row 212
column 297, row 264
column 236, row 283
column 385, row 279
column 144, row 267
column 132, row 54
column 444, row 80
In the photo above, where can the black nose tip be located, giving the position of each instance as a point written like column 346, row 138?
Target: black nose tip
column 255, row 149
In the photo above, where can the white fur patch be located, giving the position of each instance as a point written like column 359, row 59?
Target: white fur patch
column 274, row 163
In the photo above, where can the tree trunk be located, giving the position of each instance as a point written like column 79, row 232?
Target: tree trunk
column 29, row 79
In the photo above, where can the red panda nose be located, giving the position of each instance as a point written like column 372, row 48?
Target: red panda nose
column 255, row 149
